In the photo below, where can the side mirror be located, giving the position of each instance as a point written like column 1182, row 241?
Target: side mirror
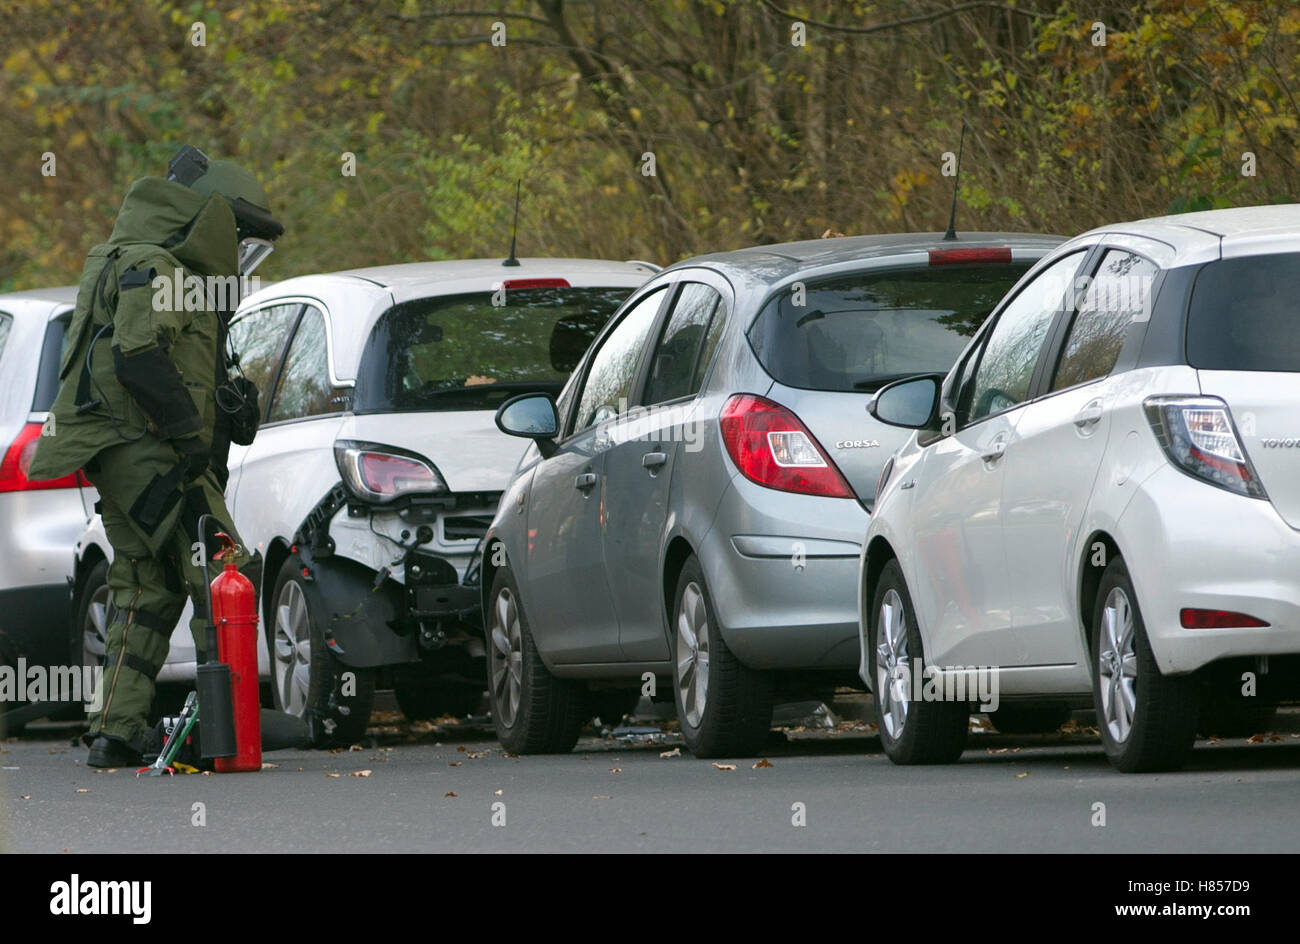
column 912, row 403
column 532, row 416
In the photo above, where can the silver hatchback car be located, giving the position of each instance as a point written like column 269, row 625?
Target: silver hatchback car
column 692, row 507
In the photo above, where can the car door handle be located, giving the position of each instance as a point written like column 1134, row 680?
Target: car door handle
column 1090, row 415
column 653, row 460
column 585, row 481
column 995, row 451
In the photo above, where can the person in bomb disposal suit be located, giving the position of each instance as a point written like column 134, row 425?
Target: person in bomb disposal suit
column 149, row 402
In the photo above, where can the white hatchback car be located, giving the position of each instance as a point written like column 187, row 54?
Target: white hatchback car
column 378, row 467
column 40, row 519
column 1102, row 496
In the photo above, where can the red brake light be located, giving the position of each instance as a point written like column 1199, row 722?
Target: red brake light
column 1216, row 619
column 18, row 459
column 391, row 475
column 771, row 447
column 965, row 256
column 536, row 283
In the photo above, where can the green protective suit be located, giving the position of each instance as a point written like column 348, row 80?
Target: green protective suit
column 137, row 410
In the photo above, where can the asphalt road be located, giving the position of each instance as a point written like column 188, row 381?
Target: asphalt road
column 437, row 789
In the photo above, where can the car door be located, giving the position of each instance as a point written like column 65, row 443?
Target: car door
column 964, row 591
column 1060, row 442
column 639, row 462
column 290, row 465
column 567, row 597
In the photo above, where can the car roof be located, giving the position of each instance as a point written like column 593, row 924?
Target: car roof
column 46, row 302
column 1206, row 235
column 775, row 262
column 415, row 279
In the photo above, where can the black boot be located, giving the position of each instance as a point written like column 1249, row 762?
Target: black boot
column 111, row 752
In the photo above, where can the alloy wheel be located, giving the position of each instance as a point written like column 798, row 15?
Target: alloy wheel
column 292, row 649
column 1117, row 665
column 893, row 664
column 507, row 657
column 95, row 629
column 693, row 654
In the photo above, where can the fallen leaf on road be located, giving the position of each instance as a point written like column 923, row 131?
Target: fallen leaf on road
column 475, row 755
column 1021, row 776
column 675, row 752
column 359, row 773
column 462, row 749
column 616, row 770
column 449, row 793
column 26, row 796
column 497, row 792
column 269, row 766
column 764, row 763
column 602, row 796
column 356, row 747
column 82, row 790
column 454, row 763
column 334, row 776
column 724, row 766
column 1255, row 739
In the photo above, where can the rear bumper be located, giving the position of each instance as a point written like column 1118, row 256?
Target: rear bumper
column 1190, row 544
column 782, row 571
column 36, row 624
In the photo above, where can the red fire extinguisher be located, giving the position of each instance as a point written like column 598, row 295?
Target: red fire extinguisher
column 234, row 613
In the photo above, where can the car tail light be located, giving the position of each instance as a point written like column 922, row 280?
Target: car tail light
column 968, row 256
column 1198, row 435
column 771, row 447
column 18, row 459
column 1216, row 619
column 382, row 473
column 535, row 283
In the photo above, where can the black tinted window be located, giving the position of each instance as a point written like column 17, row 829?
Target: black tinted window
column 1244, row 315
column 47, row 375
column 858, row 331
column 675, row 370
column 458, row 352
column 1118, row 295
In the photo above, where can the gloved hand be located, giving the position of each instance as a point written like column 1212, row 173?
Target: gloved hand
column 195, row 454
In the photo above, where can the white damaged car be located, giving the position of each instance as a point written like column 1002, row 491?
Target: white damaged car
column 378, row 467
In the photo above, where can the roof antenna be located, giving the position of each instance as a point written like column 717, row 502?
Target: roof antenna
column 956, row 183
column 514, row 230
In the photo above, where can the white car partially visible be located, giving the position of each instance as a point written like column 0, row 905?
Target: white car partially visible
column 1103, row 497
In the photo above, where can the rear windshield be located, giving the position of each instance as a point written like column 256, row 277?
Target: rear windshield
column 859, row 331
column 47, row 375
column 1243, row 314
column 461, row 352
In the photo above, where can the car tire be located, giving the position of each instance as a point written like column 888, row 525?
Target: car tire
column 724, row 707
column 307, row 680
column 1147, row 720
column 90, row 622
column 1039, row 718
column 533, row 711
column 912, row 730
